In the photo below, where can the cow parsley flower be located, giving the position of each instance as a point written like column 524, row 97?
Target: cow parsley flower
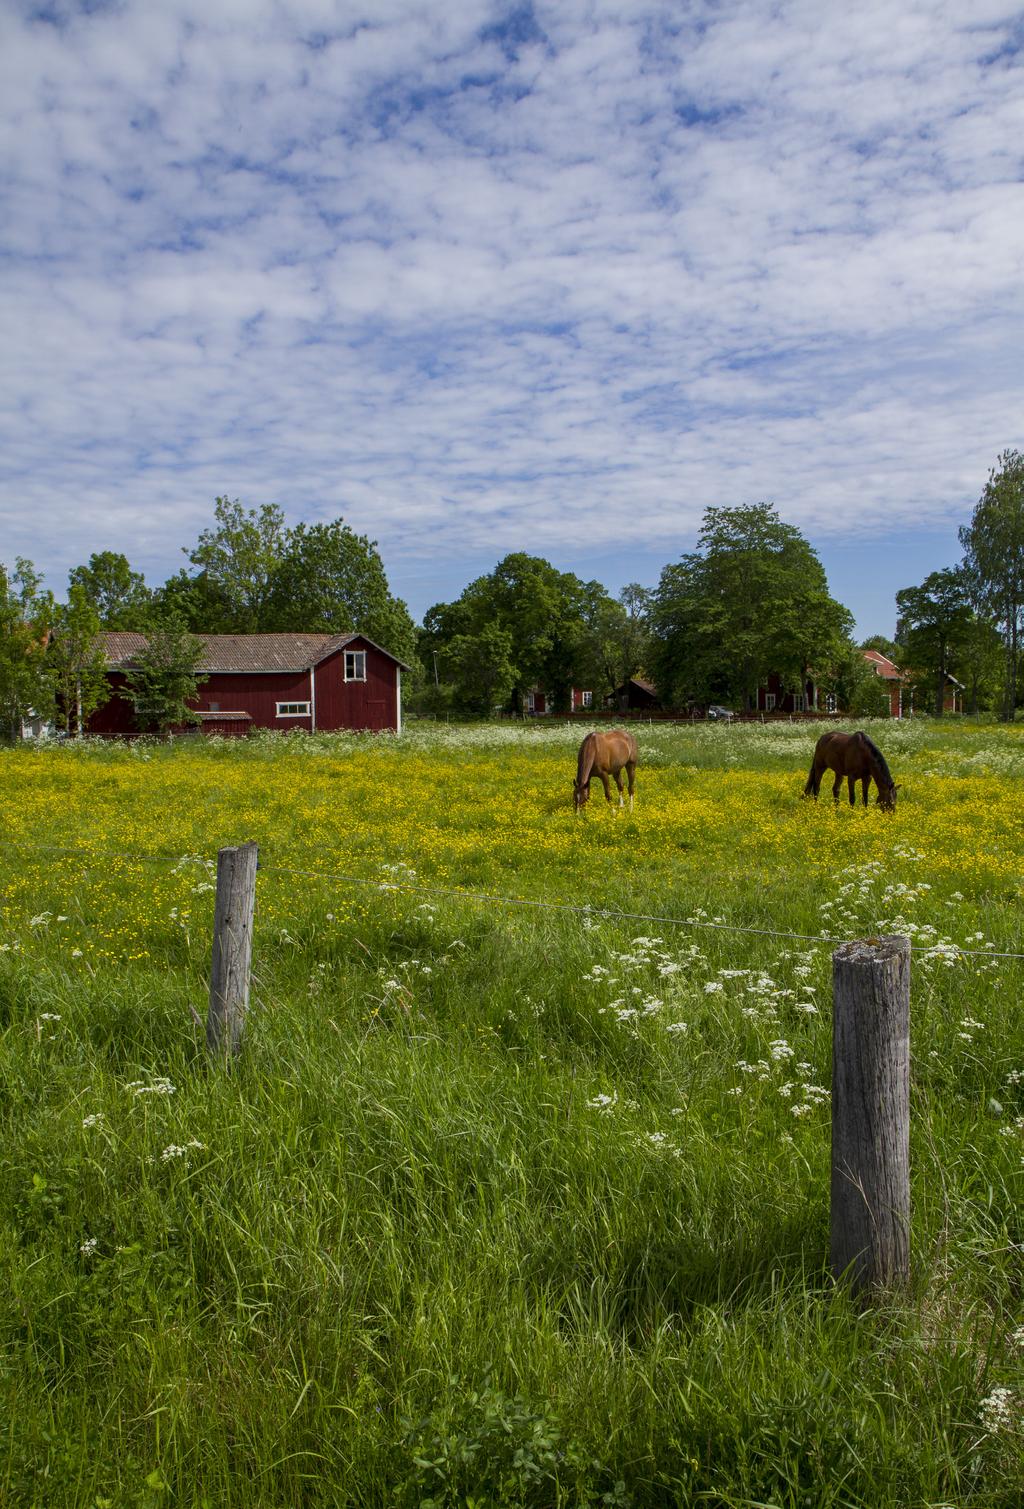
column 996, row 1411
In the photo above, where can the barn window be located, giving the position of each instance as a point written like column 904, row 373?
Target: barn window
column 769, row 702
column 214, row 707
column 831, row 702
column 293, row 709
column 355, row 665
column 588, row 699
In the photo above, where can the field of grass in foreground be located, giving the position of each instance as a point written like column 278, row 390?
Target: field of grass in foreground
column 504, row 1205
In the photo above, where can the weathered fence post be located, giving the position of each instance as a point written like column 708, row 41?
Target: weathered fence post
column 871, row 1112
column 232, row 949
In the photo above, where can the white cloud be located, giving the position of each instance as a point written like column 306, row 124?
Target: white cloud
column 483, row 278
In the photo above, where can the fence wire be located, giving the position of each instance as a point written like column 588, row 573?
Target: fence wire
column 587, row 910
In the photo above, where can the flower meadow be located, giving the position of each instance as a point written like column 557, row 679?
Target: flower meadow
column 518, row 1193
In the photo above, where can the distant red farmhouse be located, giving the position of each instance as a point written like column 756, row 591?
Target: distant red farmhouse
column 893, row 676
column 316, row 682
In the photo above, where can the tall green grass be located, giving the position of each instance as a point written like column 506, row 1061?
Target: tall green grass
column 475, row 1222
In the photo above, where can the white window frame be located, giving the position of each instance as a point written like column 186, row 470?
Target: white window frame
column 831, row 702
column 586, row 699
column 292, row 710
column 799, row 702
column 356, row 659
column 769, row 702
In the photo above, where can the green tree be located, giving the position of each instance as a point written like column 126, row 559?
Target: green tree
column 751, row 600
column 616, row 638
column 886, row 647
column 196, row 601
column 993, row 545
column 980, row 663
column 543, row 611
column 239, row 558
column 481, row 669
column 854, row 684
column 165, row 678
column 932, row 622
column 118, row 594
column 26, row 615
column 331, row 580
column 75, row 662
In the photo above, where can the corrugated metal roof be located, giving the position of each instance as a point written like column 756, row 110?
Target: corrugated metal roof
column 244, row 652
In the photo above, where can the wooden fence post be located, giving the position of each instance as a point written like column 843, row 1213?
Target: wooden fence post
column 232, row 949
column 870, row 1242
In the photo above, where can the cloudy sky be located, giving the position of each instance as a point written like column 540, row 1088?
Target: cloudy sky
column 483, row 276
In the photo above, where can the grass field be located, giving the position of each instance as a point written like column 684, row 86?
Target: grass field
column 504, row 1204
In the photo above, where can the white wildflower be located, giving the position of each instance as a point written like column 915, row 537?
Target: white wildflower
column 603, row 1103
column 996, row 1411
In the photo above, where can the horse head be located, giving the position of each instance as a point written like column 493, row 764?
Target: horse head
column 887, row 797
column 580, row 794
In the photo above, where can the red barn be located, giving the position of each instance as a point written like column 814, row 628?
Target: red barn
column 316, row 682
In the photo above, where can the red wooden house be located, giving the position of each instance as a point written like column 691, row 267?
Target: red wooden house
column 901, row 693
column 779, row 696
column 315, row 682
column 540, row 703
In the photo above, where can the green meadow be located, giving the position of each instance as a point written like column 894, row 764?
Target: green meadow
column 518, row 1192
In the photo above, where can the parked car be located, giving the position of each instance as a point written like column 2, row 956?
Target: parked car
column 716, row 713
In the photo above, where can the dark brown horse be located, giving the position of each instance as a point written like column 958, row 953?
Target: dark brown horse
column 604, row 755
column 858, row 759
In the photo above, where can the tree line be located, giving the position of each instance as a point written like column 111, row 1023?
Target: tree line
column 750, row 601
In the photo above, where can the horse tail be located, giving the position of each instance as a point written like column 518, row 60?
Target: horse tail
column 809, row 788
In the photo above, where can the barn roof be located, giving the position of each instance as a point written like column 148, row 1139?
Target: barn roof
column 245, row 652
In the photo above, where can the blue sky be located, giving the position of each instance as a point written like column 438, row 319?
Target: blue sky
column 483, row 277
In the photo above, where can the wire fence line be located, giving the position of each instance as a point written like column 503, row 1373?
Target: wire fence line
column 586, row 910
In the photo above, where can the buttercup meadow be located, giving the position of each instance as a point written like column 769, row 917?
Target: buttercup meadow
column 518, row 1193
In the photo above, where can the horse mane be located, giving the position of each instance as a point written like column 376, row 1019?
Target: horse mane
column 879, row 759
column 584, row 767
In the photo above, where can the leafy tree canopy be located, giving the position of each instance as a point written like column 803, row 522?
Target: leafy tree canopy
column 238, row 558
column 26, row 617
column 75, row 662
column 256, row 576
column 330, row 579
column 993, row 545
column 886, row 647
column 933, row 621
column 165, row 678
column 118, row 594
column 554, row 631
column 751, row 600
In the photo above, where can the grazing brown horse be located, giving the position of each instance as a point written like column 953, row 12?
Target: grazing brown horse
column 604, row 755
column 858, row 759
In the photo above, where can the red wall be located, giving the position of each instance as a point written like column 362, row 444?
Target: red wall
column 372, row 703
column 369, row 704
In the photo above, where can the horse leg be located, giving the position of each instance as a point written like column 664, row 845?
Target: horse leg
column 813, row 782
column 631, row 773
column 835, row 788
column 607, row 786
column 864, row 788
column 851, row 782
column 618, row 782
